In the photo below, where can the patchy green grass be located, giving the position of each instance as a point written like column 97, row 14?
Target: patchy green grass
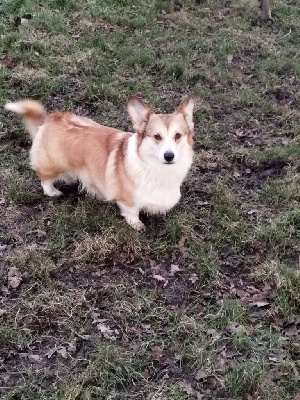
column 205, row 304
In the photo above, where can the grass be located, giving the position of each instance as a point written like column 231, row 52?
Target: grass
column 205, row 304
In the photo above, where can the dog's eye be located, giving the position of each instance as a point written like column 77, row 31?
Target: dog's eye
column 177, row 136
column 157, row 137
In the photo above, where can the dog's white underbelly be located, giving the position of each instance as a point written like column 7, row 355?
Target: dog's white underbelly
column 157, row 200
column 159, row 190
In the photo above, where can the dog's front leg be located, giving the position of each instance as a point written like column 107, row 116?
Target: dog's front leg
column 131, row 214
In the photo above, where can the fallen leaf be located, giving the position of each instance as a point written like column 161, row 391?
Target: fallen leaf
column 212, row 382
column 8, row 62
column 107, row 332
column 250, row 212
column 135, row 347
column 202, row 203
column 24, row 21
column 5, row 377
column 50, row 352
column 297, row 397
column 259, row 297
column 160, row 278
column 240, row 133
column 95, row 317
column 215, row 336
column 212, row 165
column 14, row 277
column 103, row 328
column 35, row 358
column 259, row 304
column 234, row 327
column 72, row 348
column 193, row 278
column 63, row 352
column 174, row 268
column 252, row 289
column 200, row 375
column 156, row 353
column 38, row 232
column 229, row 59
column 146, row 373
column 181, row 241
column 146, row 328
column 187, row 387
column 185, row 254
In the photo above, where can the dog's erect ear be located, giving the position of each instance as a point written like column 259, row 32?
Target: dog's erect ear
column 139, row 113
column 186, row 108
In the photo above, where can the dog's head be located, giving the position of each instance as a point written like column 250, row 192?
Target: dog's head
column 162, row 136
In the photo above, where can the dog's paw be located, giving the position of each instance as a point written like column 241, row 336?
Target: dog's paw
column 49, row 189
column 138, row 226
column 54, row 193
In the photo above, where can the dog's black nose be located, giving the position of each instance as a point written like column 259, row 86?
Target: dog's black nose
column 169, row 156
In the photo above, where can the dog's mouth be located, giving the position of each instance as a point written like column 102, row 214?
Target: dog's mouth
column 169, row 162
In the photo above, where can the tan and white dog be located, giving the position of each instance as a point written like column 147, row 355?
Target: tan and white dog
column 140, row 171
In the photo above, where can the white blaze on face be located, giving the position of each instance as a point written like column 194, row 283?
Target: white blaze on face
column 167, row 147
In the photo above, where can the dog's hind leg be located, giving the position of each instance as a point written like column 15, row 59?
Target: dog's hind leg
column 131, row 214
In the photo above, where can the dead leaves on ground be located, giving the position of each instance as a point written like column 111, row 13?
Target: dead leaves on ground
column 35, row 358
column 156, row 353
column 103, row 327
column 107, row 332
column 14, row 277
column 64, row 351
column 162, row 272
column 188, row 389
column 160, row 278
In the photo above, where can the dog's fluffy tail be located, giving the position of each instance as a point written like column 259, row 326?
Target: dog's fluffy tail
column 32, row 111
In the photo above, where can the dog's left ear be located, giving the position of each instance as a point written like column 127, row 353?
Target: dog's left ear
column 139, row 113
column 186, row 108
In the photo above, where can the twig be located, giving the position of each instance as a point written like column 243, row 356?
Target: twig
column 287, row 34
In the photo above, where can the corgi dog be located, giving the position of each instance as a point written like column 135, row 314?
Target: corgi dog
column 140, row 171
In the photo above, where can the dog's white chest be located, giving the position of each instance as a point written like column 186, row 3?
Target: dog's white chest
column 155, row 198
column 159, row 190
column 157, row 185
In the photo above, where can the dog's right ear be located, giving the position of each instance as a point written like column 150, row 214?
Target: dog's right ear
column 139, row 113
